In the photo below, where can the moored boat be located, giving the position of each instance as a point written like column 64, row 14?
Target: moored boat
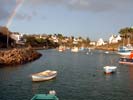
column 124, row 60
column 44, row 97
column 74, row 49
column 127, row 60
column 61, row 48
column 123, row 50
column 109, row 69
column 50, row 96
column 45, row 75
column 106, row 52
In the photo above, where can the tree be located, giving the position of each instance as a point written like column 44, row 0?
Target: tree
column 5, row 31
column 88, row 40
column 126, row 33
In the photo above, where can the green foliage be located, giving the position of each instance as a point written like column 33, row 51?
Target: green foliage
column 88, row 40
column 127, row 33
column 40, row 40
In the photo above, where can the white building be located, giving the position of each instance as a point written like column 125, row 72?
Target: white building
column 17, row 37
column 114, row 39
column 100, row 42
column 93, row 43
column 75, row 41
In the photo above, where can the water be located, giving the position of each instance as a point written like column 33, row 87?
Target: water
column 80, row 77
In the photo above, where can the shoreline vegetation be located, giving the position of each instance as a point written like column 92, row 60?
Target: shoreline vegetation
column 16, row 48
column 17, row 56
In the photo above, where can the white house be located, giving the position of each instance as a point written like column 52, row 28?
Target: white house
column 93, row 43
column 75, row 41
column 55, row 39
column 114, row 39
column 17, row 37
column 100, row 42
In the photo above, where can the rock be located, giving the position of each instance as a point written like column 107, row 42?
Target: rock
column 18, row 56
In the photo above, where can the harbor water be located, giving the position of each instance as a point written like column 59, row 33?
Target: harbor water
column 80, row 77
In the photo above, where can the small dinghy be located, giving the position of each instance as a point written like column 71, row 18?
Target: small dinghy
column 109, row 69
column 45, row 75
column 49, row 96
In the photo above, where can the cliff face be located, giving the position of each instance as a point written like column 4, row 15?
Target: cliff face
column 18, row 56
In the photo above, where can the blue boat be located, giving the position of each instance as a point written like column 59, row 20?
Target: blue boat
column 123, row 50
column 44, row 97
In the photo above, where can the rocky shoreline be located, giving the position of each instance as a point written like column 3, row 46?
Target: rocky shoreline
column 18, row 56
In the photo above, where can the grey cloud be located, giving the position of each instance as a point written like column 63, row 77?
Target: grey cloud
column 24, row 17
column 5, row 7
column 3, row 13
column 43, row 2
column 89, row 5
column 101, row 5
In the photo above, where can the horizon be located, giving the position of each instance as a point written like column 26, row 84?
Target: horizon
column 86, row 18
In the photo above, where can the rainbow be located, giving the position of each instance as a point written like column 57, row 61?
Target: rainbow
column 19, row 3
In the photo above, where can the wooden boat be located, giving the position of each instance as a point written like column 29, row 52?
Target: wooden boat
column 109, row 69
column 45, row 75
column 44, row 97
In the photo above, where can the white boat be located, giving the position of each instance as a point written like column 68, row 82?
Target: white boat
column 61, row 48
column 109, row 69
column 106, row 52
column 124, row 50
column 126, row 53
column 130, row 47
column 74, row 49
column 45, row 75
column 81, row 49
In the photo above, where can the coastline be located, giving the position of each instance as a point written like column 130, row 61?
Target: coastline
column 17, row 56
column 106, row 49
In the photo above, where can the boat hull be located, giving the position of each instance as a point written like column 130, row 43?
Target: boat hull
column 41, row 77
column 44, row 97
column 109, row 69
column 124, row 53
column 124, row 50
column 127, row 61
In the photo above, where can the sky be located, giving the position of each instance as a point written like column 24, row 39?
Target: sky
column 92, row 19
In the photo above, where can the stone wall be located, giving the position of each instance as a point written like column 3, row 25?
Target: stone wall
column 18, row 56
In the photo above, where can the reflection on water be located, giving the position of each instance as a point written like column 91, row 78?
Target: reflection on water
column 80, row 77
column 37, row 85
column 130, row 67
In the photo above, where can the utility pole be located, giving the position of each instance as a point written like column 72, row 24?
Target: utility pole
column 7, row 39
column 128, row 42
